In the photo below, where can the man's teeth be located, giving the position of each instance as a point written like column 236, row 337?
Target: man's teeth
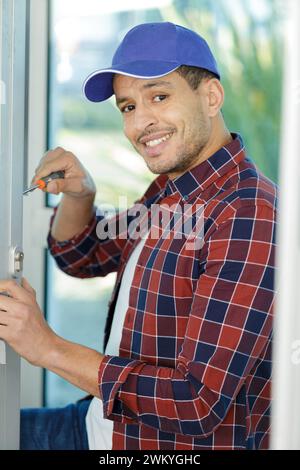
column 152, row 143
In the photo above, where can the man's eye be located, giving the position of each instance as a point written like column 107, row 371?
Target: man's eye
column 123, row 110
column 160, row 96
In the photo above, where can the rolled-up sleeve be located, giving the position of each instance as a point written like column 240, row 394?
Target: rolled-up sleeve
column 229, row 329
column 84, row 255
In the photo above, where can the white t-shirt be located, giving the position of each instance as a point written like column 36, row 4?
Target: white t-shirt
column 100, row 430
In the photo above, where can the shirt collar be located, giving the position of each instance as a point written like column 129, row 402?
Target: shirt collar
column 203, row 175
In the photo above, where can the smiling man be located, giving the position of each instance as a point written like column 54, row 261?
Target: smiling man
column 187, row 349
column 171, row 125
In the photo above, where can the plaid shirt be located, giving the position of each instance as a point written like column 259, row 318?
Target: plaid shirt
column 194, row 364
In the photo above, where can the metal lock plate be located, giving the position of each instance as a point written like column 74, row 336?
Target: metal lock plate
column 16, row 261
column 19, row 256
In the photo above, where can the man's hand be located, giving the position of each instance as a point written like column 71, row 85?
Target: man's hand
column 22, row 324
column 24, row 328
column 76, row 207
column 77, row 182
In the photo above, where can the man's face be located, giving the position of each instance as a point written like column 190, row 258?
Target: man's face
column 165, row 121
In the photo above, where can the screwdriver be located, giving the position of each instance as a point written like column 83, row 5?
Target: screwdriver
column 42, row 183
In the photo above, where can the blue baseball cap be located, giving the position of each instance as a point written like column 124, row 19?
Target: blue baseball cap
column 151, row 50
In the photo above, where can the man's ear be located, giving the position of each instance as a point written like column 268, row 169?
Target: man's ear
column 214, row 96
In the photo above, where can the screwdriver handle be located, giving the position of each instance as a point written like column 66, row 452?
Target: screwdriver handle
column 42, row 183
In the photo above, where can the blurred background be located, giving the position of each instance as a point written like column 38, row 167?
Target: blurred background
column 246, row 37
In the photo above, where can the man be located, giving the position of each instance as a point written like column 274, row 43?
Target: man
column 188, row 338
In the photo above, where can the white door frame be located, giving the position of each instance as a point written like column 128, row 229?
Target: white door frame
column 12, row 150
column 286, row 357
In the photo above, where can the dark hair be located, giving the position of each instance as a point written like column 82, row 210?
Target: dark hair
column 194, row 75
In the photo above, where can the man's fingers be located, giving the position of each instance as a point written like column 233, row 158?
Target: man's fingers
column 13, row 289
column 28, row 287
column 3, row 332
column 77, row 182
column 52, row 187
column 4, row 317
column 6, row 309
column 53, row 160
column 66, row 185
column 50, row 155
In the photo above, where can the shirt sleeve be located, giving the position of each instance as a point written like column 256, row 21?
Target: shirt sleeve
column 84, row 255
column 228, row 332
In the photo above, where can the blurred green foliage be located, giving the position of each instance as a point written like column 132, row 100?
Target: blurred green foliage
column 247, row 42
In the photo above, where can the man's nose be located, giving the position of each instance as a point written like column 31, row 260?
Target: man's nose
column 144, row 117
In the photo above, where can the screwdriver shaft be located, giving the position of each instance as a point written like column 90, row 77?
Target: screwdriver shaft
column 44, row 181
column 32, row 188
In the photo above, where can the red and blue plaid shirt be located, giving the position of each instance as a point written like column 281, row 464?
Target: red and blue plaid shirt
column 194, row 364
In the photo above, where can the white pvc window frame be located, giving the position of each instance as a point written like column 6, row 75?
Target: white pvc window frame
column 12, row 151
column 286, row 357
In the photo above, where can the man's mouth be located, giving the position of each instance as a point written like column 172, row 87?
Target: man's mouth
column 153, row 143
column 156, row 146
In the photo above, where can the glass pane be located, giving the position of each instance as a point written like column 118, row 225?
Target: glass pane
column 12, row 149
column 247, row 42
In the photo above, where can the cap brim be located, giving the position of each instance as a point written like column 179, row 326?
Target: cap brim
column 99, row 85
